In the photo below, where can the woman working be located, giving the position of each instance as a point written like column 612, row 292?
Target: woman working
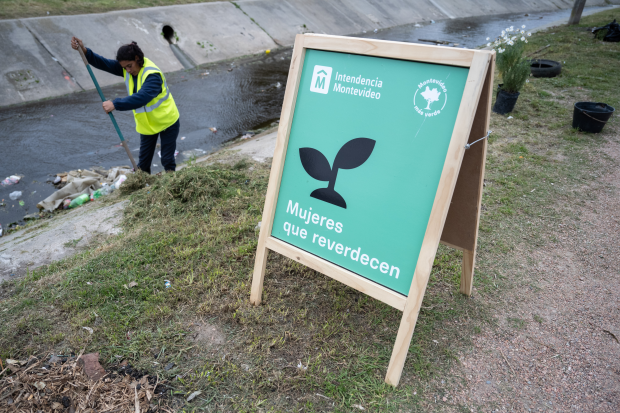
column 153, row 107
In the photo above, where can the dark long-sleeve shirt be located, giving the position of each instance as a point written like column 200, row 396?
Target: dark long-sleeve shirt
column 151, row 87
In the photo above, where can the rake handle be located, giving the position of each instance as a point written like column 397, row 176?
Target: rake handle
column 118, row 130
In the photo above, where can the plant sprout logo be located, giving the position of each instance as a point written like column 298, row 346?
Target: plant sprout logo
column 426, row 96
column 352, row 154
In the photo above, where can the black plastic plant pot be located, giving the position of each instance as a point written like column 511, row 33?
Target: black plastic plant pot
column 505, row 101
column 545, row 68
column 591, row 116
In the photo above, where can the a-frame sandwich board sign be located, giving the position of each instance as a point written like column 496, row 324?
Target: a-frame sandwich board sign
column 371, row 162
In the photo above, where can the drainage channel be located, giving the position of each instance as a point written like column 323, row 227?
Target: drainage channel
column 171, row 37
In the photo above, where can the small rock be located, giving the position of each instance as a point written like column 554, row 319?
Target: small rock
column 169, row 366
column 90, row 365
column 66, row 401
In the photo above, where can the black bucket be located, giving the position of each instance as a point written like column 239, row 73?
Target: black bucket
column 504, row 101
column 591, row 116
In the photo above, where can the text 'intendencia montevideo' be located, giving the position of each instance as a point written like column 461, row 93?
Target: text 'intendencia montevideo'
column 367, row 92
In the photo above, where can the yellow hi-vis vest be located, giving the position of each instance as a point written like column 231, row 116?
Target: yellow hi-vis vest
column 159, row 113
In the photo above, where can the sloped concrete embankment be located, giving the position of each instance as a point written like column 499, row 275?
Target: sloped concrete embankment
column 38, row 62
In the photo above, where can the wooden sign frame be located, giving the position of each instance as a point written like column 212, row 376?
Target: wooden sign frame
column 456, row 208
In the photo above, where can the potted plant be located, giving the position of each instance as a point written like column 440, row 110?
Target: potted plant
column 513, row 67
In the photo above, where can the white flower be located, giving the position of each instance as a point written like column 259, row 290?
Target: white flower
column 488, row 38
column 503, row 32
column 523, row 27
column 488, row 44
column 525, row 40
column 512, row 28
column 511, row 43
column 529, row 34
column 522, row 31
column 522, row 38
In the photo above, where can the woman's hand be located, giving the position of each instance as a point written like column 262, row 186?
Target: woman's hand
column 108, row 106
column 75, row 43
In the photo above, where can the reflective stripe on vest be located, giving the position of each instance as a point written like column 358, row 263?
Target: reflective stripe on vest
column 146, row 109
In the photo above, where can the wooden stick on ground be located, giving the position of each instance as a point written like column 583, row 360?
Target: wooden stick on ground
column 539, row 50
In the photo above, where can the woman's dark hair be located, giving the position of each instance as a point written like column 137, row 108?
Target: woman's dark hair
column 129, row 52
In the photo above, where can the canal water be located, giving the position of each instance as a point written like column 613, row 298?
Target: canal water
column 56, row 135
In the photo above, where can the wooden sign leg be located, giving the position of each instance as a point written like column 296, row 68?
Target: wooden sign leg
column 262, row 253
column 405, row 330
column 461, row 228
column 271, row 198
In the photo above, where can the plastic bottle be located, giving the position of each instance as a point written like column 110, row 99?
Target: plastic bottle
column 15, row 195
column 107, row 190
column 120, row 181
column 96, row 194
column 82, row 199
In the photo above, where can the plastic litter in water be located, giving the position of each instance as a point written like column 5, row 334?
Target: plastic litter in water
column 15, row 195
column 182, row 138
column 11, row 180
column 0, row 230
column 21, row 203
column 57, row 180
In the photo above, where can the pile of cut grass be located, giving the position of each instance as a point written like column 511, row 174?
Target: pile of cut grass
column 312, row 335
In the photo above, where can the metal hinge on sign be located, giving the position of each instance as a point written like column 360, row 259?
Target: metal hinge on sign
column 484, row 137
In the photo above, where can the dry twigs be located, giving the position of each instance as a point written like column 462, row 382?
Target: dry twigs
column 35, row 385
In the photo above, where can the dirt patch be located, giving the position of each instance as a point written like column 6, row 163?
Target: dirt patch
column 554, row 348
column 208, row 334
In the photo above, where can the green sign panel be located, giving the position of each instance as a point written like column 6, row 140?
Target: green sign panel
column 366, row 150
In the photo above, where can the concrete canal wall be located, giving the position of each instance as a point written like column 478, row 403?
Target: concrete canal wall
column 38, row 62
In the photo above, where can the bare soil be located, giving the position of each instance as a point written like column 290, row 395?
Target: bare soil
column 555, row 346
